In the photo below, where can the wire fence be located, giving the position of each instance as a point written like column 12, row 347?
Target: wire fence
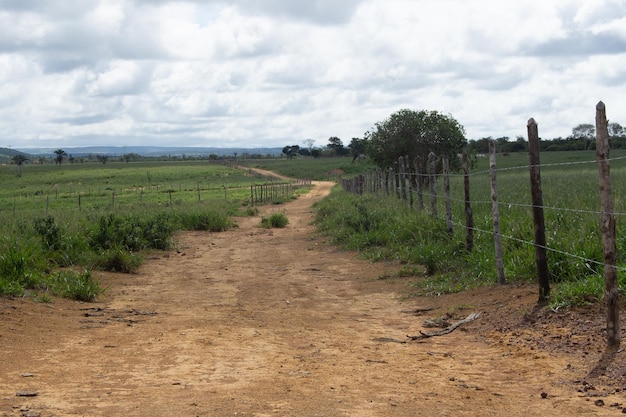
column 262, row 191
column 414, row 182
column 407, row 189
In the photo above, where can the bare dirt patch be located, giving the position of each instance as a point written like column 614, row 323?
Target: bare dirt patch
column 257, row 322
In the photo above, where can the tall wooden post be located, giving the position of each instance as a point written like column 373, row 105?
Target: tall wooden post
column 541, row 259
column 495, row 213
column 402, row 175
column 420, row 183
column 407, row 164
column 469, row 215
column 446, row 190
column 433, row 183
column 611, row 289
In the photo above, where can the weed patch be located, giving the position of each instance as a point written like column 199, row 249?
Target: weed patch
column 275, row 220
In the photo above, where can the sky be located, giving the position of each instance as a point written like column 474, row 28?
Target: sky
column 271, row 73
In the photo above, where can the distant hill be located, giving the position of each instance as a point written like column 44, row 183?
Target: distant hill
column 151, row 151
column 8, row 153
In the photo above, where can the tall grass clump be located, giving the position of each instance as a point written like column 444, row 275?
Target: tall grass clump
column 116, row 260
column 275, row 220
column 133, row 233
column 209, row 220
column 76, row 286
column 60, row 247
column 18, row 270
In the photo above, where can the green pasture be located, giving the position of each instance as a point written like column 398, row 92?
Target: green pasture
column 383, row 227
column 316, row 169
column 60, row 222
column 119, row 185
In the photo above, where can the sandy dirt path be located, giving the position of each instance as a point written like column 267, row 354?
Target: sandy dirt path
column 257, row 322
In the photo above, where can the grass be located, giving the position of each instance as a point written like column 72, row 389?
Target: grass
column 93, row 216
column 275, row 220
column 383, row 227
column 320, row 169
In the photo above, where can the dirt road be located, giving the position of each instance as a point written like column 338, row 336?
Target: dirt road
column 257, row 322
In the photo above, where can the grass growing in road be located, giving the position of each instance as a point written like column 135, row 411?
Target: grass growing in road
column 275, row 220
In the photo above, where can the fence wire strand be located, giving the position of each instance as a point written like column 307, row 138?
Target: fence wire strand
column 392, row 189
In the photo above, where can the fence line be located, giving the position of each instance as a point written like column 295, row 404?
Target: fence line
column 395, row 183
column 156, row 194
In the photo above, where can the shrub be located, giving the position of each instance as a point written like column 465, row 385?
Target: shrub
column 212, row 221
column 49, row 231
column 278, row 220
column 133, row 233
column 117, row 260
column 17, row 272
column 69, row 284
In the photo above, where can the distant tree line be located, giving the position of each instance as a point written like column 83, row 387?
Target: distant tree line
column 583, row 138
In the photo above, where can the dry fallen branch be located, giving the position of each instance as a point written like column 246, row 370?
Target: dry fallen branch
column 448, row 329
column 423, row 335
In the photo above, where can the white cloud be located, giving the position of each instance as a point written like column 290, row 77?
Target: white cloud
column 271, row 73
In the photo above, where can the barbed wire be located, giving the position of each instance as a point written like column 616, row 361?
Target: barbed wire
column 428, row 195
column 519, row 167
column 560, row 252
column 425, row 195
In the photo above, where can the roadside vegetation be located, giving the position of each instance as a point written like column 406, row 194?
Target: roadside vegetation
column 382, row 227
column 275, row 220
column 59, row 223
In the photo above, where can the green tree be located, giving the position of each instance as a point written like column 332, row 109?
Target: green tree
column 336, row 146
column 19, row 160
column 357, row 147
column 291, row 151
column 585, row 133
column 616, row 130
column 416, row 134
column 60, row 156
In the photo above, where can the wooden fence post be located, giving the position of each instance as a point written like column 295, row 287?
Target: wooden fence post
column 469, row 215
column 541, row 259
column 495, row 213
column 420, row 183
column 611, row 288
column 409, row 177
column 433, row 183
column 402, row 178
column 446, row 190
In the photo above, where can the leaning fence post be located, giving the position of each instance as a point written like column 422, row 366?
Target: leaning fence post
column 495, row 213
column 611, row 288
column 541, row 259
column 469, row 215
column 433, row 183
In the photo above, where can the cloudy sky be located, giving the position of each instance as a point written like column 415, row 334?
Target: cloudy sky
column 259, row 73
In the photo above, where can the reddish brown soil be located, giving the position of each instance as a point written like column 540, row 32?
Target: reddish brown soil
column 257, row 322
